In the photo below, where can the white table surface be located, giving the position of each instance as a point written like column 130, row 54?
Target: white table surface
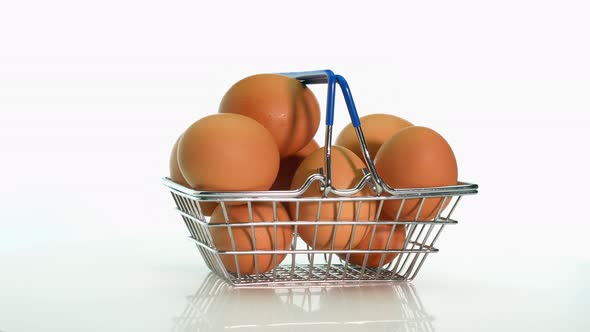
column 94, row 94
column 152, row 285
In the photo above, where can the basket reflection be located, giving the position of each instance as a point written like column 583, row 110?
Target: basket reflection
column 380, row 307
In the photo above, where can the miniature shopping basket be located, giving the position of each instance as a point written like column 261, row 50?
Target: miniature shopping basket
column 305, row 264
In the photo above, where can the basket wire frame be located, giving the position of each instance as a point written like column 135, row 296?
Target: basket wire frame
column 304, row 263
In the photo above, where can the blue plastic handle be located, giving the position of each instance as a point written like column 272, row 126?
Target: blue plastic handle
column 328, row 76
column 320, row 77
column 354, row 116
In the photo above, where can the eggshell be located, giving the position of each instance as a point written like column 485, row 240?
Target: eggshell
column 290, row 164
column 416, row 157
column 264, row 235
column 283, row 105
column 176, row 176
column 379, row 243
column 228, row 152
column 377, row 128
column 346, row 173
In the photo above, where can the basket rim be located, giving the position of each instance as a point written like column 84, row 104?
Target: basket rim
column 460, row 189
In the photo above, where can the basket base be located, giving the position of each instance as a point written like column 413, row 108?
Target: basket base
column 319, row 275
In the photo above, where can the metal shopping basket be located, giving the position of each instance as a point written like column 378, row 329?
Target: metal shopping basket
column 305, row 264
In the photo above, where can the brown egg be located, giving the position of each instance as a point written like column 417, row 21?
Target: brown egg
column 289, row 166
column 379, row 243
column 416, row 157
column 207, row 208
column 283, row 105
column 176, row 176
column 346, row 173
column 264, row 235
column 228, row 152
column 377, row 128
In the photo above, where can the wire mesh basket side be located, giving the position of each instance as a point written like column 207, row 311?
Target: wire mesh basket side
column 303, row 263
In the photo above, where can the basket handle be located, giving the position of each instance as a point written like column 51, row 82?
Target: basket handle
column 328, row 77
column 320, row 77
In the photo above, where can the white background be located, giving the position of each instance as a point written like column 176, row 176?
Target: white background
column 93, row 95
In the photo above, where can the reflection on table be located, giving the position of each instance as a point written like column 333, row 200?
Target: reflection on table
column 385, row 307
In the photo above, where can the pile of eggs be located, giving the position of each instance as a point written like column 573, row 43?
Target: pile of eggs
column 262, row 139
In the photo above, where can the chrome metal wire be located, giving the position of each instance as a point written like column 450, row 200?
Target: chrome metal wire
column 306, row 263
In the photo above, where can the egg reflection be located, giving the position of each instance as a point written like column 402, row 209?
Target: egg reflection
column 387, row 307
